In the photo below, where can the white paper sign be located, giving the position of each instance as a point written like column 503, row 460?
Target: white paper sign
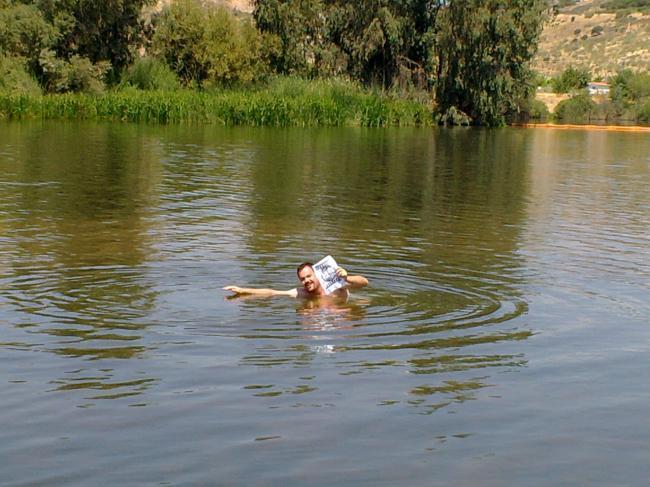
column 325, row 270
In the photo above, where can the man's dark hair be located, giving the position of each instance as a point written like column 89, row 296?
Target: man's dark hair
column 303, row 265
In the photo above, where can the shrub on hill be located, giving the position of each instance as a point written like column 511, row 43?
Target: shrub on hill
column 626, row 6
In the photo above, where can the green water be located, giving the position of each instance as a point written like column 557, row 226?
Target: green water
column 503, row 339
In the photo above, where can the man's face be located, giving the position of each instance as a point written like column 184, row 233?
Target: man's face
column 308, row 279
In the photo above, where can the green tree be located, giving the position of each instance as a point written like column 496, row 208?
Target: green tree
column 630, row 94
column 295, row 31
column 76, row 74
column 578, row 109
column 630, row 86
column 24, row 32
column 383, row 39
column 108, row 30
column 482, row 54
column 371, row 40
column 15, row 78
column 571, row 79
column 149, row 73
column 207, row 45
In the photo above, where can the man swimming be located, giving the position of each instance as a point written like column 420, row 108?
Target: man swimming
column 311, row 286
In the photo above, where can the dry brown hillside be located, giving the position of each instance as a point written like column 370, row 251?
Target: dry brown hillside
column 583, row 36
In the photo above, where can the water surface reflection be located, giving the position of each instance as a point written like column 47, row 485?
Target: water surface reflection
column 508, row 291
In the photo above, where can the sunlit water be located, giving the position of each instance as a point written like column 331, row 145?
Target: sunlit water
column 503, row 340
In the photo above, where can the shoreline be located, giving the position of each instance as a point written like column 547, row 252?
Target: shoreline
column 612, row 128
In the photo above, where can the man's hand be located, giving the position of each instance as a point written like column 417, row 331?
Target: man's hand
column 352, row 281
column 341, row 273
column 234, row 289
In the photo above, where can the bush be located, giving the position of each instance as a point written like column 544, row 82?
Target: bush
column 537, row 110
column 454, row 116
column 150, row 74
column 77, row 75
column 597, row 30
column 24, row 31
column 643, row 111
column 630, row 86
column 14, row 78
column 207, row 45
column 578, row 109
column 626, row 6
column 571, row 79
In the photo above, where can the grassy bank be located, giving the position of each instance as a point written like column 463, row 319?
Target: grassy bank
column 282, row 104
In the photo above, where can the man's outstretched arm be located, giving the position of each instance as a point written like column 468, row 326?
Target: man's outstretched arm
column 262, row 292
column 354, row 282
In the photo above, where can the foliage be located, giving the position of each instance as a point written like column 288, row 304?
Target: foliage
column 529, row 109
column 453, row 116
column 375, row 41
column 150, row 74
column 384, row 41
column 626, row 5
column 475, row 51
column 538, row 79
column 571, row 79
column 482, row 52
column 643, row 111
column 207, row 45
column 297, row 33
column 630, row 86
column 106, row 31
column 578, row 109
column 24, row 32
column 294, row 103
column 597, row 30
column 630, row 93
column 77, row 74
column 15, row 79
column 70, row 44
column 566, row 3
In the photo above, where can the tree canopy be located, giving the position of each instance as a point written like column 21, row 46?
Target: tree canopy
column 474, row 52
column 482, row 51
column 371, row 40
column 107, row 31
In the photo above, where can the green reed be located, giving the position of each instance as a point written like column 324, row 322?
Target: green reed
column 285, row 102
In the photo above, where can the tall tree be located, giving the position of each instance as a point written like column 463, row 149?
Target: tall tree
column 370, row 40
column 297, row 33
column 206, row 44
column 107, row 30
column 482, row 54
column 385, row 38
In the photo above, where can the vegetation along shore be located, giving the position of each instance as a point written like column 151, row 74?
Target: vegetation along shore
column 307, row 63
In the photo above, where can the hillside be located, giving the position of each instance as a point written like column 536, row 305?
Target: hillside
column 583, row 36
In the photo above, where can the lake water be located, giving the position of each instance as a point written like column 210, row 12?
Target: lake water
column 504, row 338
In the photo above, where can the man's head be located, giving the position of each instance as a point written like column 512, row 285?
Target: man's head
column 307, row 277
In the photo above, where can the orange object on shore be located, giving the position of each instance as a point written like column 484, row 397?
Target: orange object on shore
column 614, row 128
